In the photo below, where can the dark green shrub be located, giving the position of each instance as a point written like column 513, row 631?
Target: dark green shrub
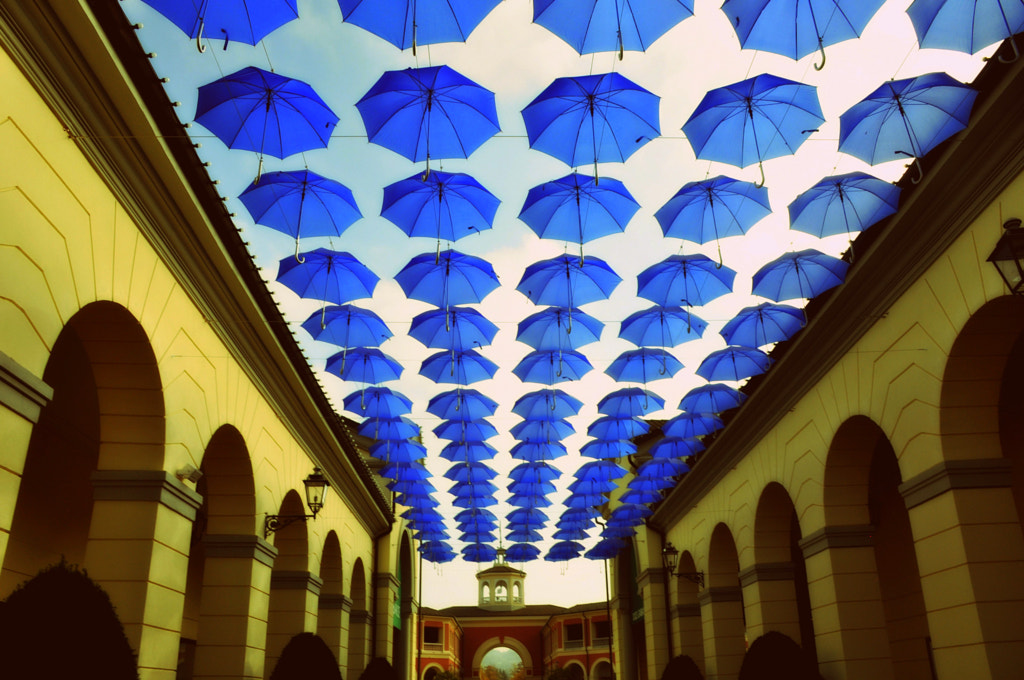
column 776, row 655
column 306, row 657
column 682, row 667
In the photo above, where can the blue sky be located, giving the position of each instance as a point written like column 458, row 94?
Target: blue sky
column 517, row 59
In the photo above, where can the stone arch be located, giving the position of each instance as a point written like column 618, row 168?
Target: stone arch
column 778, row 578
column 359, row 621
column 847, row 468
column 405, row 598
column 294, row 591
column 687, row 610
column 230, row 490
column 503, row 641
column 485, row 592
column 722, row 611
column 517, row 591
column 501, row 591
column 331, row 620
column 431, row 670
column 575, row 670
column 601, row 670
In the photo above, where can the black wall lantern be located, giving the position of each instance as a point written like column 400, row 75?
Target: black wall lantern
column 1008, row 256
column 316, row 487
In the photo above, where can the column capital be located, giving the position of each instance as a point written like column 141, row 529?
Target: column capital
column 296, row 580
column 240, row 546
column 155, row 486
column 335, row 601
column 386, row 580
column 720, row 594
column 651, row 576
column 681, row 611
column 359, row 616
column 766, row 571
column 983, row 473
column 840, row 536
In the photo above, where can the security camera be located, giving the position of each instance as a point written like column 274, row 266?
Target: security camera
column 189, row 473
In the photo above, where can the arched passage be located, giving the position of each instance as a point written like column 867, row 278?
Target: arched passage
column 688, row 622
column 294, row 591
column 778, row 579
column 503, row 641
column 722, row 613
column 359, row 622
column 403, row 613
column 332, row 608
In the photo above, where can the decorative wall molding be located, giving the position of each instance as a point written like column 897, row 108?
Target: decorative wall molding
column 651, row 576
column 841, row 536
column 335, row 601
column 681, row 611
column 154, row 486
column 985, row 473
column 240, row 546
column 720, row 594
column 296, row 580
column 768, row 571
column 21, row 391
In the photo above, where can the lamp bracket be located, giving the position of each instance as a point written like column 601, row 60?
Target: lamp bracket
column 272, row 523
column 694, row 577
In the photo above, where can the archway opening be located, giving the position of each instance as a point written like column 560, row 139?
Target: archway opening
column 502, row 663
column 359, row 622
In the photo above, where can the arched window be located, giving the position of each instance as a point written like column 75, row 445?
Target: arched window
column 485, row 593
column 501, row 592
column 517, row 592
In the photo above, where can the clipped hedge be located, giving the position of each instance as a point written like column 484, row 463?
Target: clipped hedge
column 776, row 655
column 60, row 624
column 306, row 657
column 682, row 667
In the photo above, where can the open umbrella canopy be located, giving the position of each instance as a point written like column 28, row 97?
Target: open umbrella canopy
column 460, row 404
column 643, row 365
column 365, row 365
column 548, row 367
column 605, row 549
column 521, row 552
column 662, row 327
column 763, row 324
column 843, row 204
column 566, row 281
column 378, row 402
column 673, row 447
column 687, row 425
column 590, row 119
column 442, row 205
column 906, row 118
column 795, row 29
column 538, row 451
column 468, row 452
column 734, row 363
column 408, row 23
column 607, row 450
column 563, row 551
column 437, row 552
column 712, row 398
column 429, row 112
column 327, row 275
column 265, row 112
column 455, row 328
column 713, row 209
column 803, row 274
column 389, row 428
column 402, row 451
column 447, row 278
column 301, row 203
column 559, row 328
column 534, row 472
column 546, row 404
column 965, row 25
column 463, row 367
column 630, row 402
column 465, row 430
column 347, row 326
column 611, row 427
column 247, row 21
column 688, row 279
column 590, row 26
column 542, row 430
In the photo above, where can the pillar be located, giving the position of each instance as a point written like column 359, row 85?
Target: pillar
column 387, row 588
column 849, row 619
column 970, row 553
column 234, row 605
column 655, row 595
column 332, row 625
column 687, row 621
column 360, row 623
column 724, row 631
column 293, row 607
column 138, row 552
column 769, row 599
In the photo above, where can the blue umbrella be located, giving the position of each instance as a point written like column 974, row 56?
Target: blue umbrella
column 414, row 485
column 447, row 278
column 691, row 279
column 640, row 496
column 688, row 425
column 630, row 402
column 405, row 471
column 734, row 363
column 327, row 275
column 479, row 552
column 585, row 515
column 906, row 118
column 389, row 428
column 347, row 326
column 542, row 430
column 590, row 26
column 524, row 536
column 672, row 447
column 472, row 491
column 661, row 327
column 458, row 368
column 577, row 208
column 591, row 119
column 529, row 518
column 416, row 500
column 618, row 531
column 437, row 552
column 247, row 21
column 754, row 120
column 546, row 404
column 563, row 551
column 403, row 451
column 611, row 427
column 574, row 534
column 552, row 329
column 378, row 402
column 762, row 325
column 794, row 29
column 531, row 489
column 607, row 450
column 538, row 451
column 456, row 329
column 802, row 274
column 301, row 203
column 465, row 431
column 478, row 536
column 444, row 205
column 600, row 471
column 712, row 398
column 468, row 452
column 629, row 514
column 713, row 209
column 429, row 112
column 423, row 515
column 470, row 472
column 460, row 404
column 605, row 549
column 522, row 552
column 661, row 467
column 478, row 525
column 534, row 472
column 364, row 364
column 260, row 111
column 966, row 26
column 529, row 501
column 407, row 23
column 843, row 204
column 643, row 365
column 430, row 533
column 567, row 281
column 549, row 366
column 646, row 485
